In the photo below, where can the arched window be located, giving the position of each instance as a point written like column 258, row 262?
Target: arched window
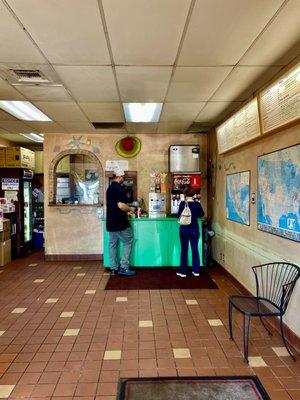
column 77, row 179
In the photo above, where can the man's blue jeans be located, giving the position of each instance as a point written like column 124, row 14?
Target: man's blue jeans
column 126, row 237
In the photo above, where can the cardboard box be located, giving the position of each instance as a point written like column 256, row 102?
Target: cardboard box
column 5, row 252
column 2, row 156
column 19, row 157
column 5, row 233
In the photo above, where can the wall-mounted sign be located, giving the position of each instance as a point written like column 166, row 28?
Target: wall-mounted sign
column 110, row 165
column 280, row 102
column 242, row 127
column 10, row 184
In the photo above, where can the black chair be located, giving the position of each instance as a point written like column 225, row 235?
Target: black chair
column 274, row 286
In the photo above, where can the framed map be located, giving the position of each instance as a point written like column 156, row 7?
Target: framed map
column 238, row 197
column 278, row 188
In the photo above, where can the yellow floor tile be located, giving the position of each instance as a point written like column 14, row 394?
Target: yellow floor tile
column 38, row 280
column 181, row 353
column 281, row 351
column 90, row 291
column 112, row 355
column 145, row 324
column 18, row 310
column 120, row 299
column 71, row 332
column 256, row 362
column 67, row 314
column 215, row 322
column 191, row 302
column 2, row 332
column 49, row 301
column 80, row 274
column 5, row 391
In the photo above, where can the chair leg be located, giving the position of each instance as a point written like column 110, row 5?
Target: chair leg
column 246, row 326
column 284, row 341
column 230, row 320
column 269, row 332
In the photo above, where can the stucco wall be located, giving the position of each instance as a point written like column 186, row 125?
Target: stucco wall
column 78, row 230
column 238, row 247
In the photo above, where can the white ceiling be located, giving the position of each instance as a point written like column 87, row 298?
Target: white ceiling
column 201, row 58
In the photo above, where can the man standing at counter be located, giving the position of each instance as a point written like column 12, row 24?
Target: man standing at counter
column 117, row 225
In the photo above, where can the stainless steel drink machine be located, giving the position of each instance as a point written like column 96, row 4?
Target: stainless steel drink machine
column 157, row 205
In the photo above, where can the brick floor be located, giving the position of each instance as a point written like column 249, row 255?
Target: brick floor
column 153, row 333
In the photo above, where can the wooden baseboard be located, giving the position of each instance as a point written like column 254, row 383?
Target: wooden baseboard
column 290, row 336
column 73, row 257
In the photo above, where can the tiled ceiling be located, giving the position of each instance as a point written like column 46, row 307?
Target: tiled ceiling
column 201, row 58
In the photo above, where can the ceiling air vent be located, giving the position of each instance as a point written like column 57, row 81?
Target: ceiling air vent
column 108, row 125
column 29, row 76
column 198, row 127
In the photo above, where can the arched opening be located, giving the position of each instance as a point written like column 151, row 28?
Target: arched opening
column 77, row 178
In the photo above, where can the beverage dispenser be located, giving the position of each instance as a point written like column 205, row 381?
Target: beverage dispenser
column 157, row 205
column 178, row 183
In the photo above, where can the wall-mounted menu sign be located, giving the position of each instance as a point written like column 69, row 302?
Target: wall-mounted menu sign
column 242, row 127
column 280, row 102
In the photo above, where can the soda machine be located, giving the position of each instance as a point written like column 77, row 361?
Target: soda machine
column 184, row 168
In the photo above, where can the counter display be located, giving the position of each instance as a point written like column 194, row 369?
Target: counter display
column 156, row 243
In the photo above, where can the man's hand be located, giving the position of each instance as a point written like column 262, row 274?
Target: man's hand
column 125, row 207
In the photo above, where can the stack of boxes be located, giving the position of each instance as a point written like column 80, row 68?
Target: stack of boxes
column 5, row 241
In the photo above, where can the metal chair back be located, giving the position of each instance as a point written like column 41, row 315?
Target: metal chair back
column 275, row 282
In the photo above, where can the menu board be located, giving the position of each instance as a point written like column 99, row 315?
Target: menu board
column 280, row 102
column 242, row 127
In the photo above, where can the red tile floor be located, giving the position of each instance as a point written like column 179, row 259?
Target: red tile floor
column 63, row 336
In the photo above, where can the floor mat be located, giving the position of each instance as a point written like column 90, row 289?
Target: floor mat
column 160, row 278
column 195, row 388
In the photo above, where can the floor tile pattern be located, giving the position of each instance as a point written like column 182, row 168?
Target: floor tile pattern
column 110, row 339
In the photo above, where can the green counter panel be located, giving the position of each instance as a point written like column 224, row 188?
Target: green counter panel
column 156, row 243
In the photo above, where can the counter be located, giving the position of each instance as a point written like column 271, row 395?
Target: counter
column 156, row 243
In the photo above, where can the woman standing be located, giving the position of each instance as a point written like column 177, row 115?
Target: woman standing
column 190, row 233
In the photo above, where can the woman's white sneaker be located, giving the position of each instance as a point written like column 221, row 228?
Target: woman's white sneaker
column 195, row 273
column 181, row 275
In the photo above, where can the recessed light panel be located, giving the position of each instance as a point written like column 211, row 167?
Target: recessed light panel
column 23, row 110
column 142, row 112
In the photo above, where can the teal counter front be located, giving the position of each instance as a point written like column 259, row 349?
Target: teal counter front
column 156, row 243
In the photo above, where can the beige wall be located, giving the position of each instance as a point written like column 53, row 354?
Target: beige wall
column 238, row 247
column 70, row 230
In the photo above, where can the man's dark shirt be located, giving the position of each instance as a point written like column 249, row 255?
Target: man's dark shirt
column 196, row 210
column 116, row 219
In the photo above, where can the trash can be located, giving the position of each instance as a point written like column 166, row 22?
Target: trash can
column 38, row 240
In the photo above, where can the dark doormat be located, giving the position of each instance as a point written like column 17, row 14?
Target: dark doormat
column 195, row 388
column 159, row 278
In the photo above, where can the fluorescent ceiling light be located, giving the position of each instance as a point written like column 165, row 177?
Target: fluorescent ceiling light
column 23, row 110
column 33, row 136
column 142, row 112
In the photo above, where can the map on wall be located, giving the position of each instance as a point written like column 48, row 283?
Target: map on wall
column 278, row 205
column 237, row 197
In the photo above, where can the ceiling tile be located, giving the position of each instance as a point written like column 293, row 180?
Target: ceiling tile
column 196, row 84
column 213, row 111
column 221, row 31
column 175, row 112
column 143, row 84
column 78, row 127
column 172, row 127
column 15, row 126
column 46, row 127
column 61, row 111
column 44, row 93
column 16, row 45
column 103, row 112
column 139, row 127
column 68, row 32
column 144, row 32
column 243, row 82
column 279, row 44
column 7, row 92
column 89, row 83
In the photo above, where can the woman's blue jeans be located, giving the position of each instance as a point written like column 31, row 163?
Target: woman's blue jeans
column 126, row 237
column 189, row 235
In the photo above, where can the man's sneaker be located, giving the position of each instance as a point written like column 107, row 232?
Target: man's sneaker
column 126, row 272
column 114, row 271
column 181, row 275
column 195, row 273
